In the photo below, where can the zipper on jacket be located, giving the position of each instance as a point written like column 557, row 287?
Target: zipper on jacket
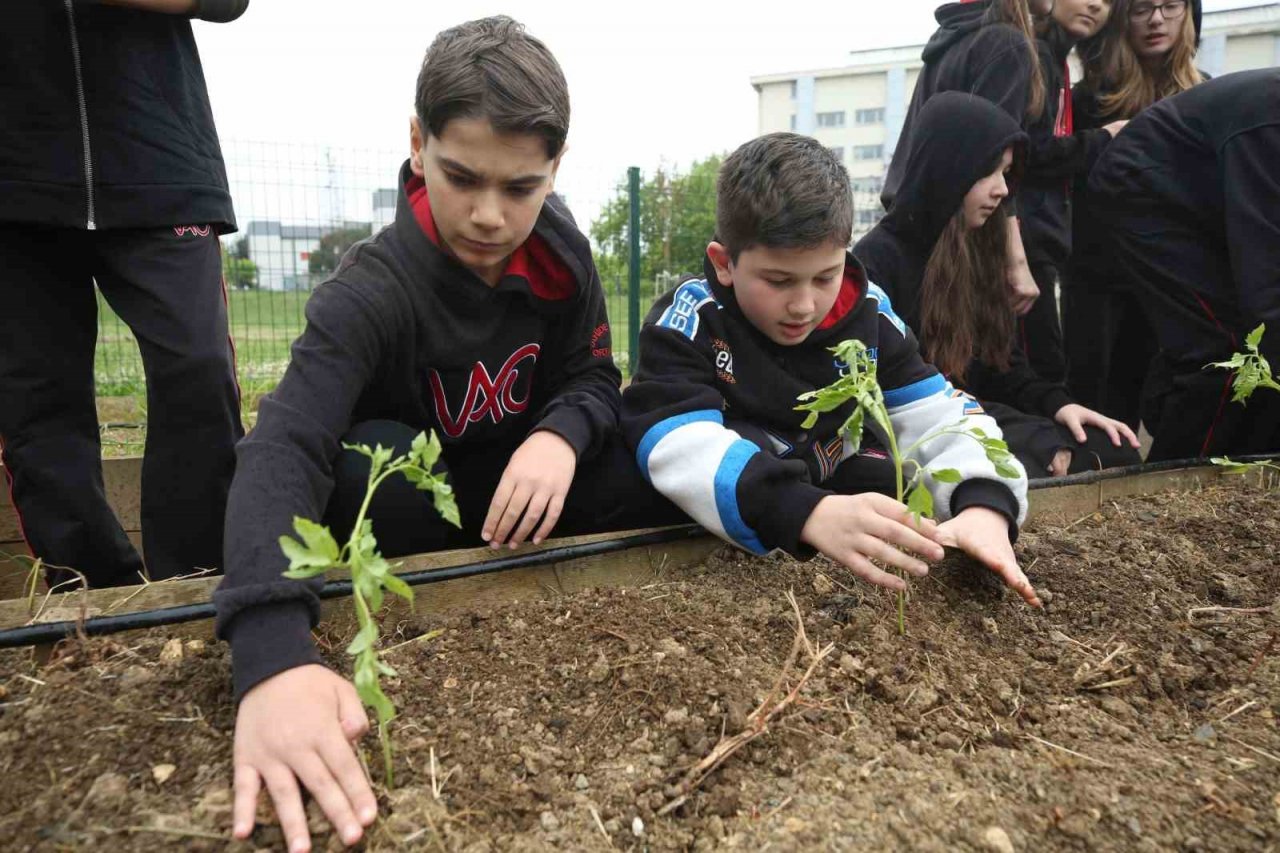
column 84, row 118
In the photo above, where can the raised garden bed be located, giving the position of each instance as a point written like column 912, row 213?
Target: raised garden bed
column 1127, row 716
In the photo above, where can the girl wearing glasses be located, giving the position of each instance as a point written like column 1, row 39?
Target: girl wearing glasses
column 1146, row 54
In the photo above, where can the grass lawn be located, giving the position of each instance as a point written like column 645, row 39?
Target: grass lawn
column 263, row 327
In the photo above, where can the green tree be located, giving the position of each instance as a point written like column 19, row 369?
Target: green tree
column 677, row 218
column 238, row 271
column 333, row 246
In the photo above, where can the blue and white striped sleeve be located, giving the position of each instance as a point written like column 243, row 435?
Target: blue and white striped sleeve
column 697, row 463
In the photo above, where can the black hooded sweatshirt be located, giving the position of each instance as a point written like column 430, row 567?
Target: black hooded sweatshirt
column 960, row 139
column 105, row 119
column 402, row 331
column 1193, row 187
column 1059, row 150
column 963, row 55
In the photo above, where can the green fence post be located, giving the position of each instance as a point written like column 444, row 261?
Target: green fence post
column 633, row 267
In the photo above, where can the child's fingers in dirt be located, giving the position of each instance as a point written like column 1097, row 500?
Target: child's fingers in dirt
column 865, row 569
column 287, row 800
column 248, row 784
column 877, row 549
column 319, row 779
column 1011, row 574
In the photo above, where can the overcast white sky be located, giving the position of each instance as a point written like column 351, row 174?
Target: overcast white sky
column 652, row 81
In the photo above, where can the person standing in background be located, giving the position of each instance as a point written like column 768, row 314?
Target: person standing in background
column 1147, row 52
column 111, row 171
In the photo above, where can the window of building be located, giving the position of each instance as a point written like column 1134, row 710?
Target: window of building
column 868, row 217
column 793, row 121
column 837, row 152
column 871, row 116
column 868, row 152
column 867, row 185
column 793, row 90
column 832, row 119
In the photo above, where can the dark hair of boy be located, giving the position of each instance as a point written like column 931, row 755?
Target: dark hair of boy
column 492, row 68
column 783, row 191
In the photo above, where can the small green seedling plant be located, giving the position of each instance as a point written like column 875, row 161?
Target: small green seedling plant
column 859, row 383
column 316, row 552
column 1252, row 372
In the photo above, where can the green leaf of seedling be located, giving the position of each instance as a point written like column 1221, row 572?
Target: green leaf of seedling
column 1254, row 338
column 377, row 567
column 445, row 503
column 362, row 449
column 317, row 549
column 1007, row 469
column 1234, row 467
column 946, row 475
column 370, row 693
column 398, row 587
column 364, row 640
column 386, row 669
column 920, row 502
column 426, row 451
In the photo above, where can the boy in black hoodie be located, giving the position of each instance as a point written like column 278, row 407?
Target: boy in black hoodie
column 477, row 314
column 711, row 410
column 1190, row 197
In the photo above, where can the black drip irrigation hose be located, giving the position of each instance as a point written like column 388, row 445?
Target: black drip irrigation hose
column 51, row 632
column 1086, row 477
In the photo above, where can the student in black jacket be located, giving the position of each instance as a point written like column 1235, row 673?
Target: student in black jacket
column 110, row 171
column 1057, row 152
column 1189, row 195
column 711, row 412
column 478, row 314
column 937, row 254
column 987, row 48
column 1146, row 52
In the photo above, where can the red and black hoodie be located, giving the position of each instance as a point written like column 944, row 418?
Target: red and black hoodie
column 403, row 331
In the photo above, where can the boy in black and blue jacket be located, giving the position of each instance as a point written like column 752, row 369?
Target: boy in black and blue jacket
column 711, row 411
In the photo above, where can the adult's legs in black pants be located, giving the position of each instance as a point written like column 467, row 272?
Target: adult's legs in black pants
column 166, row 284
column 48, row 418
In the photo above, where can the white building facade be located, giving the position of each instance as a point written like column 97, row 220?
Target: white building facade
column 857, row 109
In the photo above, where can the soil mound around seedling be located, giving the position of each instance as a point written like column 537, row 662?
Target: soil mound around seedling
column 1136, row 712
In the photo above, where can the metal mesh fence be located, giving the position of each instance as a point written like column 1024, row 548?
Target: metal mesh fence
column 300, row 206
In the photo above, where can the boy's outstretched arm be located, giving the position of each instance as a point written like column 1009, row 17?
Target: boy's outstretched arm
column 283, row 471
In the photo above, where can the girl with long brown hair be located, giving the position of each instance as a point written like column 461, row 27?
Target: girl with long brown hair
column 1146, row 53
column 940, row 254
column 986, row 48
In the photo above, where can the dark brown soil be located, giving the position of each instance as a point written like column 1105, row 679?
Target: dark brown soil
column 1121, row 718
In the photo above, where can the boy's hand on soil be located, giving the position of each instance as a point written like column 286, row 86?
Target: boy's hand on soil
column 983, row 534
column 534, row 485
column 855, row 529
column 1076, row 417
column 298, row 726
